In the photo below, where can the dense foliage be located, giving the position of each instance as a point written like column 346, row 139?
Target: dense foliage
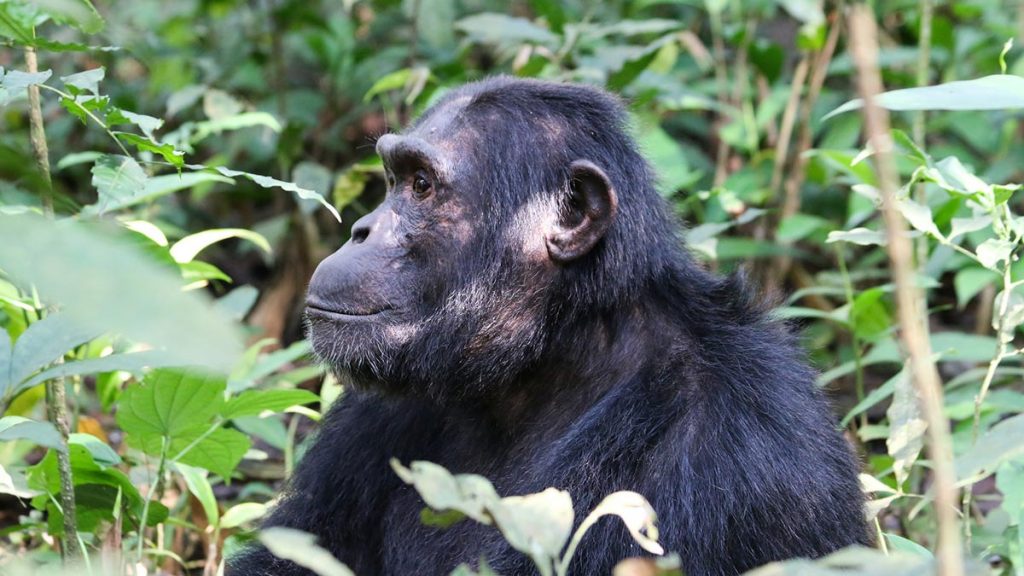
column 171, row 172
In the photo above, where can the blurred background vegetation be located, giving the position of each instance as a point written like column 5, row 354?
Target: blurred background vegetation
column 197, row 149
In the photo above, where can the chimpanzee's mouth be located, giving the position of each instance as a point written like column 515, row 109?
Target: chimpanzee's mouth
column 315, row 310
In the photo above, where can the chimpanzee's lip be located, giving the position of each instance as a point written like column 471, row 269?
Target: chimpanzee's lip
column 318, row 310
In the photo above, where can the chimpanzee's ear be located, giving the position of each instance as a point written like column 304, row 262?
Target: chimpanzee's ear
column 585, row 215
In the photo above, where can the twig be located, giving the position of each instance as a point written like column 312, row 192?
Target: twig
column 788, row 121
column 56, row 394
column 864, row 47
column 37, row 134
column 924, row 50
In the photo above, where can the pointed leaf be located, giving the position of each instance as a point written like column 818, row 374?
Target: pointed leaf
column 18, row 428
column 256, row 402
column 46, row 341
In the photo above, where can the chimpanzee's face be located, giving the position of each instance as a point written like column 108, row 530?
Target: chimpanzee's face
column 433, row 282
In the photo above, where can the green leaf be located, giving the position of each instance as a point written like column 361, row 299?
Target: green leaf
column 173, row 157
column 388, row 82
column 666, row 155
column 799, row 226
column 78, row 13
column 301, row 548
column 494, row 28
column 869, row 315
column 919, row 216
column 905, row 545
column 118, row 288
column 44, row 342
column 14, row 80
column 155, row 187
column 268, row 182
column 255, row 402
column 969, row 281
column 996, row 92
column 906, row 428
column 860, row 236
column 127, row 361
column 87, row 81
column 169, row 402
column 148, row 124
column 18, row 428
column 242, row 514
column 118, row 178
column 994, row 251
column 199, row 486
column 1000, row 444
column 208, row 128
column 186, row 249
column 100, row 451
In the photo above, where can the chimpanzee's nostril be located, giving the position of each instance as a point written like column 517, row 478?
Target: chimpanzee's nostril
column 360, row 232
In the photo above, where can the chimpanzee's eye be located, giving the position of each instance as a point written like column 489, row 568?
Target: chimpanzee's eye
column 421, row 185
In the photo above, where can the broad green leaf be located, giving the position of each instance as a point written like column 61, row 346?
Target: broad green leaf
column 17, row 21
column 494, row 28
column 996, row 92
column 203, row 130
column 901, row 543
column 100, row 451
column 118, row 178
column 388, row 82
column 301, row 548
column 667, row 157
column 869, row 315
column 919, row 216
column 46, row 341
column 799, row 226
column 242, row 513
column 268, row 182
column 218, row 451
column 186, row 249
column 255, row 402
column 127, row 361
column 968, row 282
column 1010, row 482
column 78, row 13
column 18, row 428
column 199, row 486
column 155, row 187
column 170, row 402
column 87, row 81
column 906, row 428
column 860, row 236
column 118, row 289
column 1000, row 444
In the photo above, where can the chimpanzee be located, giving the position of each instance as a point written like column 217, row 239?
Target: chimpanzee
column 521, row 306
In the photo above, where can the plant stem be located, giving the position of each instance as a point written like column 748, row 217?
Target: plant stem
column 154, row 488
column 864, row 47
column 924, row 48
column 88, row 113
column 857, row 360
column 56, row 394
column 37, row 134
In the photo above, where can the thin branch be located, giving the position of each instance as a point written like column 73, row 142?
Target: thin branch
column 909, row 299
column 56, row 394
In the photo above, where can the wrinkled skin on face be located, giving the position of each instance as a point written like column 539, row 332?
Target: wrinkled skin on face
column 438, row 284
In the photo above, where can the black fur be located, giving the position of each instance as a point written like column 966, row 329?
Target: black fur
column 629, row 369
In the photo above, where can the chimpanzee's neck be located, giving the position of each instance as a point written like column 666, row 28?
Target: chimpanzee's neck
column 606, row 350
